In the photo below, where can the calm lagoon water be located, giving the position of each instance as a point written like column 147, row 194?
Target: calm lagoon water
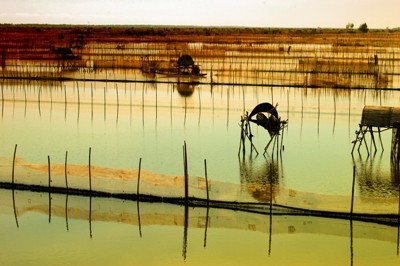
column 123, row 122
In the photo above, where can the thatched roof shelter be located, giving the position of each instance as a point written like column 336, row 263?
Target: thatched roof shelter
column 185, row 61
column 380, row 116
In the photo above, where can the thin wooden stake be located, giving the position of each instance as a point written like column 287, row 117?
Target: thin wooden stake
column 65, row 171
column 90, row 170
column 48, row 169
column 13, row 166
column 205, row 169
column 185, row 170
column 138, row 178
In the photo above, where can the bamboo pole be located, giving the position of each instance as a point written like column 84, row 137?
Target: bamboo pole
column 90, row 170
column 185, row 170
column 48, row 168
column 65, row 171
column 138, row 178
column 205, row 170
column 49, row 172
column 13, row 166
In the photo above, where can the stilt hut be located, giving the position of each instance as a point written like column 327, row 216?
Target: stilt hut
column 187, row 66
column 377, row 119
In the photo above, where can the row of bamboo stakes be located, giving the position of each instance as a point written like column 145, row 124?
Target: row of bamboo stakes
column 186, row 211
column 186, row 194
column 185, row 169
column 186, row 179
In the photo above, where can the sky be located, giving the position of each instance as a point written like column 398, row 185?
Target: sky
column 378, row 14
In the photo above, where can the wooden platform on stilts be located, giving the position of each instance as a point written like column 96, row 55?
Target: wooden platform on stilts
column 377, row 119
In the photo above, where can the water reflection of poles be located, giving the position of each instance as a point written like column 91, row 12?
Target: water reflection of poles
column 351, row 243
column 14, row 207
column 185, row 231
column 66, row 212
column 90, row 216
column 352, row 192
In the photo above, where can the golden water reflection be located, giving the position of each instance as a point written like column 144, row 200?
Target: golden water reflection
column 100, row 231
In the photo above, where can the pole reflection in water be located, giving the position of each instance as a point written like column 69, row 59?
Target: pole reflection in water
column 14, row 208
column 260, row 177
column 262, row 182
column 374, row 178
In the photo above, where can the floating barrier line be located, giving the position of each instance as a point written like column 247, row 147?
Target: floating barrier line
column 300, row 85
column 261, row 208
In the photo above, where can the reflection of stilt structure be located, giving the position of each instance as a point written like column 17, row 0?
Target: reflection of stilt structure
column 267, row 117
column 378, row 117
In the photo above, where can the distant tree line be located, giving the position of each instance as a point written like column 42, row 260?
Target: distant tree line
column 362, row 28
